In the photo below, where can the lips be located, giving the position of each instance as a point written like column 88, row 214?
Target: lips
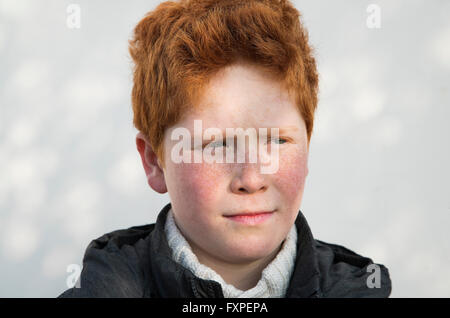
column 248, row 213
column 250, row 218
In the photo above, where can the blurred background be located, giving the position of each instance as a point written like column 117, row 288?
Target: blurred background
column 379, row 157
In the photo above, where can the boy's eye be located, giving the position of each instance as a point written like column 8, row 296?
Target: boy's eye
column 223, row 143
column 217, row 143
column 279, row 139
column 220, row 143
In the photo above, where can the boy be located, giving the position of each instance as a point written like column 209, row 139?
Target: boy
column 209, row 73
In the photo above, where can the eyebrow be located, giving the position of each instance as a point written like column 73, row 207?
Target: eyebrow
column 282, row 130
column 289, row 128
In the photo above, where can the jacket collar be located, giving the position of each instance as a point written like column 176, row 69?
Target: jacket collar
column 170, row 279
column 305, row 280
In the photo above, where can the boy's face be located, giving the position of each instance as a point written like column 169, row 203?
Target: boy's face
column 204, row 195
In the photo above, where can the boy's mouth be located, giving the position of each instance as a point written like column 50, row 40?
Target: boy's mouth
column 250, row 218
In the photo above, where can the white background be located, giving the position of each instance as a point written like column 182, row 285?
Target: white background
column 379, row 157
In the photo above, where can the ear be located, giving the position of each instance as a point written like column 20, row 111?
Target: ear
column 153, row 171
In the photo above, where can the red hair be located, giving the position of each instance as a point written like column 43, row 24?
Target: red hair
column 178, row 46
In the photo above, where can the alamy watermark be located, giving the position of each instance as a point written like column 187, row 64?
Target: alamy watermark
column 374, row 279
column 73, row 20
column 73, row 280
column 213, row 151
column 373, row 20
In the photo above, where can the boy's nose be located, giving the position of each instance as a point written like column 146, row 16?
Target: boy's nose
column 248, row 179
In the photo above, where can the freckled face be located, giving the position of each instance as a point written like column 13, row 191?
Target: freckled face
column 203, row 195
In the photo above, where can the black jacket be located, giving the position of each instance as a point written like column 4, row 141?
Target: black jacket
column 136, row 262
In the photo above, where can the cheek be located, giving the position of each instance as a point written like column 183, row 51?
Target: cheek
column 291, row 175
column 199, row 184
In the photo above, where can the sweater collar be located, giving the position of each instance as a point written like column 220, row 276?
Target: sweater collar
column 304, row 280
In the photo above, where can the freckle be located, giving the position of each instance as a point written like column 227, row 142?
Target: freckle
column 292, row 174
column 204, row 178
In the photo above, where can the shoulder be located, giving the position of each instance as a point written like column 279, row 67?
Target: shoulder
column 344, row 273
column 114, row 265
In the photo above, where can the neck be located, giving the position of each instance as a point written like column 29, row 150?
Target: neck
column 243, row 276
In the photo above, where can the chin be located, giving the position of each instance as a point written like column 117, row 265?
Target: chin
column 249, row 252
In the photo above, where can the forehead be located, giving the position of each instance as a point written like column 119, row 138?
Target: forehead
column 244, row 96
